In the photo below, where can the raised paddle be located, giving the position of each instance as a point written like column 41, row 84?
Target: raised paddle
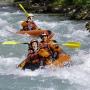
column 26, row 13
column 67, row 44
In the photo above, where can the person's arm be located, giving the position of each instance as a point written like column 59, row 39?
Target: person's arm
column 36, row 27
column 31, row 54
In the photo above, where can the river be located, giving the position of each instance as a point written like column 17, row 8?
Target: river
column 75, row 77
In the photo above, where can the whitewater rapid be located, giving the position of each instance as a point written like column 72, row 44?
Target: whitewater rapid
column 75, row 77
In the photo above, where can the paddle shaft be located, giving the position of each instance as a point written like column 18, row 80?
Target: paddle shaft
column 67, row 44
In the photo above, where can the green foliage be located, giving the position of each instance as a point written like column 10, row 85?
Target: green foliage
column 18, row 0
column 88, row 3
column 57, row 2
column 71, row 2
column 80, row 2
column 60, row 2
column 68, row 2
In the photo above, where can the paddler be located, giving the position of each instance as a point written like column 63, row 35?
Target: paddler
column 51, row 46
column 39, row 52
column 29, row 24
column 35, row 57
column 32, row 60
column 45, row 52
column 44, row 41
column 55, row 49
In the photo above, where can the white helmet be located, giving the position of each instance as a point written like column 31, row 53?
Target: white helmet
column 42, row 35
column 30, row 15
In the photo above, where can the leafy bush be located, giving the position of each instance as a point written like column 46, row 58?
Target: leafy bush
column 80, row 2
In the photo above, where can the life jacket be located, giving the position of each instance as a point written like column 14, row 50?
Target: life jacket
column 28, row 25
column 24, row 24
column 33, row 56
column 55, row 50
column 44, row 53
column 44, row 45
column 31, row 25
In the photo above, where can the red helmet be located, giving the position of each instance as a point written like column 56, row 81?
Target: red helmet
column 33, row 41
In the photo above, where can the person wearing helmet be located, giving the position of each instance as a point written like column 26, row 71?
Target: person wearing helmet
column 46, row 39
column 55, row 50
column 24, row 25
column 44, row 48
column 51, row 46
column 29, row 24
column 32, row 61
column 33, row 44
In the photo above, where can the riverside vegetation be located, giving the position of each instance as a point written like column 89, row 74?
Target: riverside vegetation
column 74, row 9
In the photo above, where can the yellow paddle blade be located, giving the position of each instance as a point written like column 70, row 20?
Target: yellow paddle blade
column 22, row 64
column 72, row 44
column 10, row 43
column 26, row 13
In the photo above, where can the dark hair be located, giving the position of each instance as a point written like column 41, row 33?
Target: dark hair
column 54, row 41
column 32, row 42
column 49, row 32
column 41, row 36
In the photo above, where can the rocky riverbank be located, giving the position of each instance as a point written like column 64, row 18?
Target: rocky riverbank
column 88, row 26
column 6, row 2
column 72, row 11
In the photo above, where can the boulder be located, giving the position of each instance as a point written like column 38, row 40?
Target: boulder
column 88, row 26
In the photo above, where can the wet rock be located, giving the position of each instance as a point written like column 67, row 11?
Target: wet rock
column 54, row 9
column 72, row 11
column 88, row 26
column 79, row 14
column 82, row 14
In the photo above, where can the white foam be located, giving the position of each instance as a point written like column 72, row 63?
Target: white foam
column 10, row 13
column 16, row 13
column 4, row 13
column 79, row 35
column 3, row 23
column 46, row 25
column 5, row 28
column 78, row 73
column 5, row 7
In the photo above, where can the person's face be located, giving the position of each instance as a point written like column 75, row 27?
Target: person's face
column 29, row 19
column 35, row 45
column 45, row 38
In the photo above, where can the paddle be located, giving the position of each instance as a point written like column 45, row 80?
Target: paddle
column 67, row 44
column 22, row 64
column 26, row 13
column 10, row 43
column 72, row 44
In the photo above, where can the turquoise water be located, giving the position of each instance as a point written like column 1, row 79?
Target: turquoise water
column 75, row 77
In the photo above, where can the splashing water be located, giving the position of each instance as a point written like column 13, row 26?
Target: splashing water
column 75, row 77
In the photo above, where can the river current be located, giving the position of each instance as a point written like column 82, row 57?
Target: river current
column 75, row 77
